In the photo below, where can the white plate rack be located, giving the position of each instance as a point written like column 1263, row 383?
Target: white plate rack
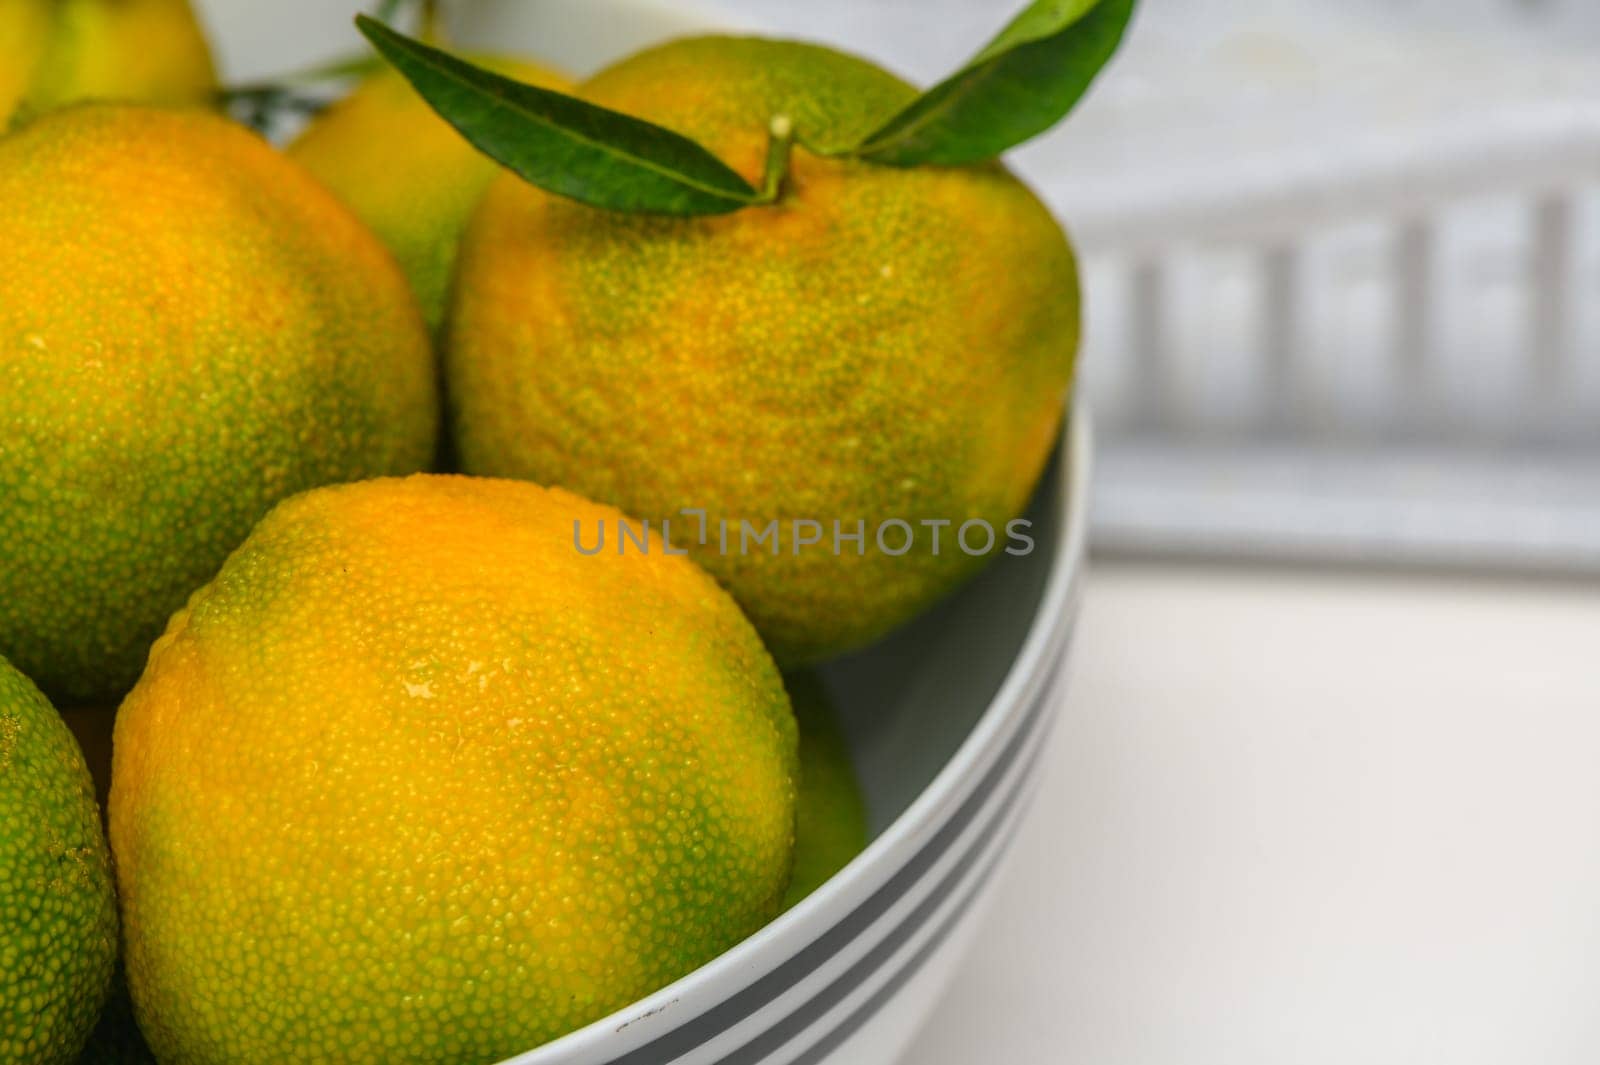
column 1341, row 272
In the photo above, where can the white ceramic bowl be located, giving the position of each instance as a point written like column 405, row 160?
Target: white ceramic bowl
column 946, row 719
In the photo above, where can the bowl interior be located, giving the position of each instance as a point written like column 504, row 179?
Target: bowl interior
column 910, row 701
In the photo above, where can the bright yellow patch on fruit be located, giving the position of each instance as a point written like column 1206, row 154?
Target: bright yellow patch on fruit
column 883, row 344
column 54, row 52
column 415, row 780
column 191, row 328
column 58, row 918
column 406, row 172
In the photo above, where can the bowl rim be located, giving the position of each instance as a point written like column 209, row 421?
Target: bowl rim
column 639, row 1023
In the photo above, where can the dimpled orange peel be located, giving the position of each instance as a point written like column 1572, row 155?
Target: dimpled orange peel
column 58, row 917
column 191, row 328
column 406, row 172
column 881, row 345
column 417, row 780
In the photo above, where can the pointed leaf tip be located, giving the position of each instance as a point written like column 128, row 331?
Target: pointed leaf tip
column 1022, row 83
column 565, row 145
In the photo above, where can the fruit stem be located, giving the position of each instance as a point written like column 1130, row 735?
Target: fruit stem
column 779, row 148
column 431, row 26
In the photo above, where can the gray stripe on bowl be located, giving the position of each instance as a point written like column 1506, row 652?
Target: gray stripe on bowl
column 731, row 1011
column 983, row 849
column 837, row 1036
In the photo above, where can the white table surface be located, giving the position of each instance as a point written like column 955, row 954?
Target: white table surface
column 1298, row 818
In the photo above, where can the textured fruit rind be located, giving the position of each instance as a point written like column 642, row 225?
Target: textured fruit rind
column 414, row 780
column 406, row 172
column 191, row 328
column 58, row 917
column 883, row 344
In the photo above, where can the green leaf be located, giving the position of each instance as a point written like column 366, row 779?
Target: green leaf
column 564, row 145
column 1022, row 83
